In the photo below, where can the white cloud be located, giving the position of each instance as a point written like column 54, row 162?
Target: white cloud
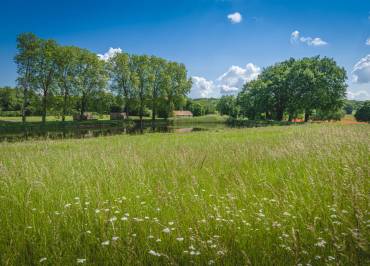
column 234, row 79
column 361, row 95
column 368, row 41
column 361, row 71
column 228, row 83
column 110, row 53
column 235, row 17
column 296, row 37
column 202, row 88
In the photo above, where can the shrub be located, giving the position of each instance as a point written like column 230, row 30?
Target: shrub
column 115, row 109
column 363, row 113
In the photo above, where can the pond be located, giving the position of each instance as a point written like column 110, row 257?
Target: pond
column 63, row 132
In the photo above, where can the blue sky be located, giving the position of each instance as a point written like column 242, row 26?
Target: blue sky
column 223, row 43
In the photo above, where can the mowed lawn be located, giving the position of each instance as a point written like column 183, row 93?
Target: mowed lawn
column 296, row 195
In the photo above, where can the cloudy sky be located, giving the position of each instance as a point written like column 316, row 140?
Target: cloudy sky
column 223, row 43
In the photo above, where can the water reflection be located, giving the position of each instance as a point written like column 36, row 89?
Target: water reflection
column 91, row 131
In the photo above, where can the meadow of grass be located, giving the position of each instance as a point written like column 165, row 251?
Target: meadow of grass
column 296, row 195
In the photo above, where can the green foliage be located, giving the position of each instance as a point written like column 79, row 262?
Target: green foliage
column 197, row 109
column 60, row 75
column 294, row 87
column 228, row 106
column 333, row 115
column 363, row 113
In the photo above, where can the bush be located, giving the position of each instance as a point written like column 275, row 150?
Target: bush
column 328, row 115
column 10, row 113
column 363, row 113
column 115, row 109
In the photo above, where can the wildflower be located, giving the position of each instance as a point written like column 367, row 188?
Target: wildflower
column 124, row 218
column 317, row 257
column 158, row 240
column 56, row 213
column 97, row 211
column 211, row 262
column 180, row 239
column 170, row 223
column 133, row 235
column 321, row 243
column 150, row 236
column 331, row 258
column 81, row 261
column 77, row 198
column 114, row 218
column 88, row 232
column 286, row 214
column 152, row 252
column 194, row 253
column 42, row 259
column 67, row 205
column 166, row 230
column 115, row 238
column 276, row 224
column 105, row 243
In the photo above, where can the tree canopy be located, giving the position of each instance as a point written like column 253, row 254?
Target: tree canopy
column 68, row 74
column 293, row 87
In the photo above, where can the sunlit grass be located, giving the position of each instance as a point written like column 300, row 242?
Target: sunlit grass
column 264, row 196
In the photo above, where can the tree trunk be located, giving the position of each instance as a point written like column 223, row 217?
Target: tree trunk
column 44, row 106
column 279, row 115
column 141, row 114
column 154, row 111
column 126, row 108
column 83, row 103
column 306, row 116
column 24, row 106
column 64, row 105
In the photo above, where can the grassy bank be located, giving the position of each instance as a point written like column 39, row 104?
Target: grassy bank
column 261, row 196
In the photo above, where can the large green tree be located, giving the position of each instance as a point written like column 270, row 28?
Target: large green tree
column 91, row 77
column 158, row 82
column 67, row 74
column 176, row 85
column 293, row 87
column 120, row 75
column 142, row 79
column 44, row 76
column 28, row 45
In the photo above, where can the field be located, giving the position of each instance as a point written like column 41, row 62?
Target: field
column 295, row 195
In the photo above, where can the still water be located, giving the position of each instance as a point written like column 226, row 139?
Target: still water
column 98, row 130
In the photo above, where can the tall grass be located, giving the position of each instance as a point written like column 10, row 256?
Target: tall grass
column 262, row 196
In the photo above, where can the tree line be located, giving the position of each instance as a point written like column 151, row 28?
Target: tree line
column 290, row 89
column 68, row 73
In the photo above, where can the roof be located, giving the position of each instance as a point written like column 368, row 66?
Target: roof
column 182, row 113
